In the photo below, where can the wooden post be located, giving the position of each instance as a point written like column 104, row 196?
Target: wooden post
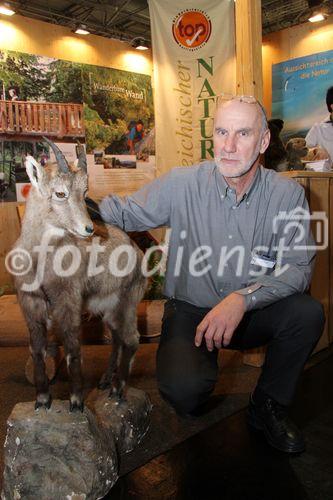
column 249, row 82
column 9, row 232
column 248, row 48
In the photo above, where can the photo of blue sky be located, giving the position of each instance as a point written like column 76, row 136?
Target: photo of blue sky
column 299, row 90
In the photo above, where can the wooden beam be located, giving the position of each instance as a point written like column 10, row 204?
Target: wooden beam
column 9, row 232
column 249, row 79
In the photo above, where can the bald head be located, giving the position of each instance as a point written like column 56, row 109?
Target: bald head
column 250, row 101
column 240, row 135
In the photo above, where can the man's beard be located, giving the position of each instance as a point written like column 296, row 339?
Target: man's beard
column 245, row 169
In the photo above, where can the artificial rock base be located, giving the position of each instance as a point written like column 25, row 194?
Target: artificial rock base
column 54, row 454
column 128, row 419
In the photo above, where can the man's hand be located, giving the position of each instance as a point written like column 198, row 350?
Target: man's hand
column 220, row 323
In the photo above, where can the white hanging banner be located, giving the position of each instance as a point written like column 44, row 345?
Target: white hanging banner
column 194, row 61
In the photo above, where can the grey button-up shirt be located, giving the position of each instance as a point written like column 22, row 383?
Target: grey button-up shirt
column 218, row 244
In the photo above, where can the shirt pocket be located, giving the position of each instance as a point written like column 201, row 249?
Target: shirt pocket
column 261, row 264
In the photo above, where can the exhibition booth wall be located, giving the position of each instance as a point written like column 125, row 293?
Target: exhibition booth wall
column 90, row 58
column 50, row 41
column 36, row 37
column 303, row 46
column 299, row 41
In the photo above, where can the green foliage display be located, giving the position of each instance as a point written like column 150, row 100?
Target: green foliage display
column 156, row 281
column 112, row 93
column 99, row 134
column 40, row 78
column 113, row 99
column 23, row 71
column 66, row 82
column 119, row 98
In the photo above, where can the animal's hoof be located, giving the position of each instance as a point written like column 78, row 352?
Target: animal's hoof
column 75, row 407
column 44, row 404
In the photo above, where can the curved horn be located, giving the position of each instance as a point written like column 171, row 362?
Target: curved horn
column 81, row 156
column 61, row 160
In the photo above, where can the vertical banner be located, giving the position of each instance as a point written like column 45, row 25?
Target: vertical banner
column 194, row 61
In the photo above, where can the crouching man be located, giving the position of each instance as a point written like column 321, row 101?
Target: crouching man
column 238, row 270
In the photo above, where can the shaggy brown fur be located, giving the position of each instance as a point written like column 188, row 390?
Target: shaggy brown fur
column 56, row 207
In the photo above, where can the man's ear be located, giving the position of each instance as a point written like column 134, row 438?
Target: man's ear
column 34, row 171
column 266, row 137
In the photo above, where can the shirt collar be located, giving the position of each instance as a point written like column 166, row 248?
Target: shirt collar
column 254, row 184
column 223, row 186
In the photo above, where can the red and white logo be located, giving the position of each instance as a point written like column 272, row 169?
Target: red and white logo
column 191, row 29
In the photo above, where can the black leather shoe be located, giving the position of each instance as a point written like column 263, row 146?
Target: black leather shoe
column 280, row 432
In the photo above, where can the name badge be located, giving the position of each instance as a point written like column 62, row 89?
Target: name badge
column 263, row 261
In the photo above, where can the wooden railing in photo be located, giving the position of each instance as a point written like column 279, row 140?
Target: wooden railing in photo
column 26, row 118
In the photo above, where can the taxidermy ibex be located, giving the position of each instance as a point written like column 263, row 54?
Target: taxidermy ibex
column 56, row 239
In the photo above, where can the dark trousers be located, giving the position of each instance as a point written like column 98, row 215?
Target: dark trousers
column 187, row 374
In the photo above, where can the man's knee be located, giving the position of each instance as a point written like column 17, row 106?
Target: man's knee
column 308, row 313
column 186, row 394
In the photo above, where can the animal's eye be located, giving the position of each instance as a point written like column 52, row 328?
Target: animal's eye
column 60, row 195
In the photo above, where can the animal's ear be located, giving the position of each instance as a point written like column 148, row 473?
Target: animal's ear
column 289, row 145
column 34, row 171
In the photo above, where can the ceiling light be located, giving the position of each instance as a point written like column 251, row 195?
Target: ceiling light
column 315, row 18
column 82, row 30
column 140, row 44
column 6, row 9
